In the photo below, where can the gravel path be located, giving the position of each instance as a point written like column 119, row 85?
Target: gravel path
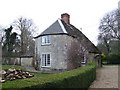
column 107, row 77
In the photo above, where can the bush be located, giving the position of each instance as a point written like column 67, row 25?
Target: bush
column 113, row 59
column 77, row 78
column 73, row 79
column 91, row 63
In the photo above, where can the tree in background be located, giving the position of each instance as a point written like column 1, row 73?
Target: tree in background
column 9, row 40
column 115, row 46
column 104, row 42
column 1, row 35
column 26, row 28
column 1, row 42
column 109, row 30
column 102, row 48
column 109, row 25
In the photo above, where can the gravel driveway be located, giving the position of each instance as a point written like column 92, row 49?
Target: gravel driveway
column 107, row 77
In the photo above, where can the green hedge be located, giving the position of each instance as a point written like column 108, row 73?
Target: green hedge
column 77, row 78
column 113, row 59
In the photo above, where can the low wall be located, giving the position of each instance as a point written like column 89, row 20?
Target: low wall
column 26, row 61
column 23, row 61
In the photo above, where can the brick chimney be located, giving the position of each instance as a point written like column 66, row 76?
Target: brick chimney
column 65, row 17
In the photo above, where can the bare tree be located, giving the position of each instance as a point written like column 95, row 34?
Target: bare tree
column 109, row 25
column 109, row 29
column 26, row 28
column 75, row 54
column 104, row 41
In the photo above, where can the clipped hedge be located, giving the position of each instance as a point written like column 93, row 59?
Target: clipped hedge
column 113, row 59
column 78, row 78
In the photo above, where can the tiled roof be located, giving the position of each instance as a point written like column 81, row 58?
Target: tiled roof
column 60, row 27
column 53, row 29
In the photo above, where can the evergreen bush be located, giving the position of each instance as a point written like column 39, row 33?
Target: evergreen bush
column 113, row 59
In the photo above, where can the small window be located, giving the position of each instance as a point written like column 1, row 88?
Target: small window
column 45, row 40
column 45, row 60
column 84, row 59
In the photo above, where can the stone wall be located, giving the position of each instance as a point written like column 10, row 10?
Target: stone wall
column 23, row 61
column 58, row 50
column 26, row 61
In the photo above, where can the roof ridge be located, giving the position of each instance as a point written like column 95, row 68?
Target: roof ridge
column 62, row 26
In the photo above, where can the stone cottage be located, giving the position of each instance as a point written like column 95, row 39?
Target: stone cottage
column 64, row 47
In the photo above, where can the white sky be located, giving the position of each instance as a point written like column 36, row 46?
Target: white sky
column 85, row 14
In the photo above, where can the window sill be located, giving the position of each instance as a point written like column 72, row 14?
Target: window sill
column 45, row 66
column 46, row 44
column 83, row 62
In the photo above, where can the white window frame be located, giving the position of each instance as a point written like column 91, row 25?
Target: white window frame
column 84, row 59
column 45, row 60
column 46, row 40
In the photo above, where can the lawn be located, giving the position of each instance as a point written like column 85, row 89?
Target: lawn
column 20, row 83
column 23, row 82
column 19, row 67
column 12, row 66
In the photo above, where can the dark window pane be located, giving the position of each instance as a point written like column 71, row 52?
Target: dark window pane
column 48, row 59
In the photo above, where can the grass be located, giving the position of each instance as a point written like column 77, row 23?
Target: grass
column 23, row 82
column 20, row 83
column 20, row 67
column 39, row 73
column 12, row 66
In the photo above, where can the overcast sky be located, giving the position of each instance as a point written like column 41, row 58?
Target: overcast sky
column 85, row 14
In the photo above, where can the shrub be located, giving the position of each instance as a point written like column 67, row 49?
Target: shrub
column 91, row 63
column 77, row 78
column 113, row 59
